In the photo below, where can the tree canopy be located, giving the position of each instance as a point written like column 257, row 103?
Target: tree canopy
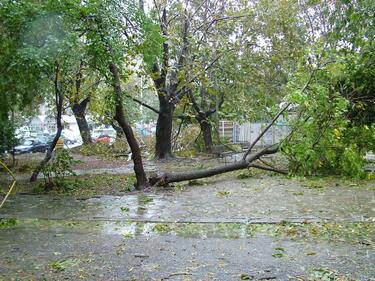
column 201, row 61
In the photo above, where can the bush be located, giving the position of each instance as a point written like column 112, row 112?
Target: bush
column 56, row 171
column 103, row 149
column 324, row 140
column 187, row 140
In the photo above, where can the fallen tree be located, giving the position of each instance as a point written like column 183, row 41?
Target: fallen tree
column 248, row 160
column 166, row 178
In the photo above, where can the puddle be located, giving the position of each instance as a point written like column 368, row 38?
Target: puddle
column 199, row 206
column 353, row 232
column 263, row 200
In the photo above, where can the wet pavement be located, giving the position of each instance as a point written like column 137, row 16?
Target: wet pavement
column 261, row 228
column 66, row 253
column 270, row 199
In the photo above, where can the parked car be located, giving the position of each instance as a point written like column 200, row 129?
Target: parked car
column 103, row 131
column 103, row 139
column 69, row 137
column 45, row 139
column 30, row 146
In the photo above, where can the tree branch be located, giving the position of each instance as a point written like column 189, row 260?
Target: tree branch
column 144, row 104
column 278, row 114
column 271, row 169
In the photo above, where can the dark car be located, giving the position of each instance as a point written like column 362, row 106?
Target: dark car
column 46, row 139
column 30, row 146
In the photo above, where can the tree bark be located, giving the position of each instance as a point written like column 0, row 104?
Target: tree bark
column 166, row 178
column 166, row 82
column 119, row 132
column 140, row 174
column 79, row 111
column 163, row 145
column 206, row 129
column 59, row 107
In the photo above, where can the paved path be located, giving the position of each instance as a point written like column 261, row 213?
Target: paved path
column 252, row 200
column 215, row 231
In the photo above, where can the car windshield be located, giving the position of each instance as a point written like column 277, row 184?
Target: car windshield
column 27, row 142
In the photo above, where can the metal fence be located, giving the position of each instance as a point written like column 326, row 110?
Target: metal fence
column 250, row 131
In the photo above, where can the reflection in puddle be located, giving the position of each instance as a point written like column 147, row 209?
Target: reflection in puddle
column 196, row 207
column 127, row 207
column 357, row 232
column 193, row 230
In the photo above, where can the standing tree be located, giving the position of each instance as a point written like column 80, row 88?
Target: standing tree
column 56, row 51
column 79, row 99
column 109, row 27
column 19, row 79
column 44, row 56
column 184, row 26
column 59, row 98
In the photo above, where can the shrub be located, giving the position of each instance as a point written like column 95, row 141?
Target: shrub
column 56, row 171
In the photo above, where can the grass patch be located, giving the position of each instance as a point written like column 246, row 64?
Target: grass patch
column 124, row 209
column 86, row 185
column 144, row 200
column 245, row 175
column 195, row 183
column 187, row 153
column 8, row 223
column 297, row 193
column 327, row 274
column 128, row 235
column 65, row 264
column 320, row 182
column 103, row 150
column 162, row 228
column 362, row 233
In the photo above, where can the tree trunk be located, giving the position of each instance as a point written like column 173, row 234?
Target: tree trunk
column 247, row 161
column 163, row 145
column 166, row 178
column 119, row 131
column 59, row 107
column 48, row 156
column 79, row 111
column 140, row 174
column 206, row 129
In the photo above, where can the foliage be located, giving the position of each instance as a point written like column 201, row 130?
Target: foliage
column 58, row 169
column 323, row 140
column 7, row 223
column 7, row 135
column 119, row 148
column 19, row 79
column 271, row 45
column 188, row 139
column 161, row 228
column 103, row 149
column 150, row 48
column 326, row 274
column 251, row 54
column 333, row 125
column 245, row 175
column 64, row 264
